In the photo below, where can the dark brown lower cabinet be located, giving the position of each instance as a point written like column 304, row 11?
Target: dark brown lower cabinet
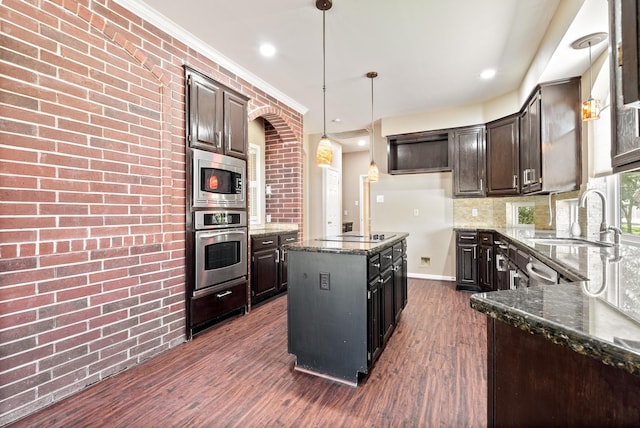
column 533, row 382
column 467, row 260
column 269, row 265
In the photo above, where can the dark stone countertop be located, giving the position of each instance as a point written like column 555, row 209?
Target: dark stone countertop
column 261, row 230
column 599, row 317
column 351, row 244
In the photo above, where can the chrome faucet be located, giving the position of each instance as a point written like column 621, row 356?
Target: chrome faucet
column 605, row 228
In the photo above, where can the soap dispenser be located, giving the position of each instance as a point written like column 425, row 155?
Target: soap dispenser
column 575, row 229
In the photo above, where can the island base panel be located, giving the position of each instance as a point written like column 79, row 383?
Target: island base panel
column 327, row 313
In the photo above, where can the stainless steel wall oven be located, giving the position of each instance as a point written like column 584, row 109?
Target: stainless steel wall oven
column 220, row 248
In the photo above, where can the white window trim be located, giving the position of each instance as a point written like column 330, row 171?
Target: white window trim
column 256, row 185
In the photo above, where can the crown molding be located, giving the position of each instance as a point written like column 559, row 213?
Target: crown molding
column 153, row 17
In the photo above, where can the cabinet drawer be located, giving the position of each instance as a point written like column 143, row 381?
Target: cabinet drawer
column 467, row 237
column 486, row 238
column 386, row 258
column 398, row 250
column 374, row 266
column 264, row 243
column 287, row 238
column 218, row 303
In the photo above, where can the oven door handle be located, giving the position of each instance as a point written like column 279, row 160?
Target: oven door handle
column 227, row 232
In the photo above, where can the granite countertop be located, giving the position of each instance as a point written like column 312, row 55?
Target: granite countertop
column 260, row 230
column 599, row 317
column 349, row 243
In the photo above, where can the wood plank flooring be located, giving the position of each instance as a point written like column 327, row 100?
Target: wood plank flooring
column 432, row 373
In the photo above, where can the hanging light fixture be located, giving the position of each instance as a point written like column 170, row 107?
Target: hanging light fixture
column 324, row 153
column 590, row 107
column 373, row 173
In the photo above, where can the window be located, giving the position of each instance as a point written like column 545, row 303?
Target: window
column 254, row 168
column 521, row 214
column 629, row 202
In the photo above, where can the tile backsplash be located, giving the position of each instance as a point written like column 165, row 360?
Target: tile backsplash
column 492, row 212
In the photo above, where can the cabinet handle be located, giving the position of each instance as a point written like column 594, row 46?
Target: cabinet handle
column 467, row 237
column 515, row 181
column 267, row 242
column 277, row 255
column 221, row 295
column 388, row 257
column 474, row 253
column 399, row 250
column 376, row 265
column 229, row 140
column 218, row 139
column 290, row 239
column 481, row 185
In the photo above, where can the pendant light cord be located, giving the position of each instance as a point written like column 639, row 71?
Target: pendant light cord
column 590, row 66
column 324, row 82
column 371, row 143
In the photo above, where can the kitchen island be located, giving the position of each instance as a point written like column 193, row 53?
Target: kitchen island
column 566, row 354
column 345, row 296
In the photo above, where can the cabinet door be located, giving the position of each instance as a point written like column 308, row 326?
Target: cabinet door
column 467, row 265
column 373, row 317
column 469, row 161
column 399, row 287
column 235, row 125
column 386, row 290
column 503, row 163
column 204, row 112
column 485, row 263
column 625, row 122
column 531, row 147
column 264, row 274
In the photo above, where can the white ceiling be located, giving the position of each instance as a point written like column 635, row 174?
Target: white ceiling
column 428, row 53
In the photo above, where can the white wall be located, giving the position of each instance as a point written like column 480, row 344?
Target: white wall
column 421, row 205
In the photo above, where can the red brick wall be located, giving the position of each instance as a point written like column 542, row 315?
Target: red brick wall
column 92, row 193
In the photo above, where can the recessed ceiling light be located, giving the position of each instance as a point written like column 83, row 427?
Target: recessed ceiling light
column 488, row 73
column 267, row 50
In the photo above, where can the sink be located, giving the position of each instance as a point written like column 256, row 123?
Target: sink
column 573, row 242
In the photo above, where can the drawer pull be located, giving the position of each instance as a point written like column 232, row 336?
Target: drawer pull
column 290, row 239
column 376, row 265
column 225, row 294
column 267, row 242
column 388, row 257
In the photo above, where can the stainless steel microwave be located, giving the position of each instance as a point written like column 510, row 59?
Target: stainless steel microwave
column 217, row 181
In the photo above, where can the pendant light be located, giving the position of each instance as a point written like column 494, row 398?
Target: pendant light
column 373, row 172
column 324, row 153
column 590, row 107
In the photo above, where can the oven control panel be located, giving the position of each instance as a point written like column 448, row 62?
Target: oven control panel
column 215, row 219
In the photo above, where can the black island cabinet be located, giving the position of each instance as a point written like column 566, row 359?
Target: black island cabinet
column 344, row 301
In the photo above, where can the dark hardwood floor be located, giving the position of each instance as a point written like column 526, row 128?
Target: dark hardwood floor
column 432, row 373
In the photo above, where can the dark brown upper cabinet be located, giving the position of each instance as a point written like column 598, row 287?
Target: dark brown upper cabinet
column 419, row 152
column 624, row 63
column 503, row 161
column 469, row 161
column 216, row 116
column 550, row 138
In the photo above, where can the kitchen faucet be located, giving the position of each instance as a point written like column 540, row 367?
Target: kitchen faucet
column 605, row 228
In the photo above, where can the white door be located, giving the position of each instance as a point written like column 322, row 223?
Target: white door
column 332, row 201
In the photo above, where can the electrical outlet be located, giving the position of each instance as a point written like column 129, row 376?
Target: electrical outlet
column 380, row 198
column 324, row 281
column 416, row 212
column 474, row 212
column 268, row 218
column 425, row 261
column 346, row 213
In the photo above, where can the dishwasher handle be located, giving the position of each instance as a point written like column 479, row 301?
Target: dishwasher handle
column 537, row 275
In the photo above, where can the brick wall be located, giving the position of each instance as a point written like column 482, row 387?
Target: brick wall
column 283, row 171
column 92, row 193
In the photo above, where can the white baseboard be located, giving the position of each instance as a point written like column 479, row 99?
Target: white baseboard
column 428, row 276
